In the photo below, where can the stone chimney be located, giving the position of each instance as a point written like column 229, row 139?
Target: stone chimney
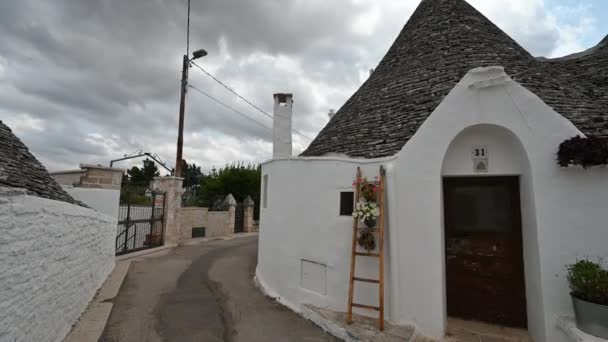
column 281, row 128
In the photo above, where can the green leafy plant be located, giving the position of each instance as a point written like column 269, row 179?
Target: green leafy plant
column 589, row 281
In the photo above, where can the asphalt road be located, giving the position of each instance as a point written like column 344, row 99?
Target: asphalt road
column 202, row 293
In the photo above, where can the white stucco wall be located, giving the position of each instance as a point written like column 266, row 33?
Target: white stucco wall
column 302, row 222
column 103, row 200
column 54, row 258
column 563, row 210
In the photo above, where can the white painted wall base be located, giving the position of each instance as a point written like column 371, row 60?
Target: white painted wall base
column 54, row 256
column 568, row 326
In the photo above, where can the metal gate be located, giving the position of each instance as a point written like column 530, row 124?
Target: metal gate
column 140, row 220
column 239, row 218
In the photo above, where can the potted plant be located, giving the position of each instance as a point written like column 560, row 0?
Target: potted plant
column 589, row 291
column 367, row 189
column 367, row 213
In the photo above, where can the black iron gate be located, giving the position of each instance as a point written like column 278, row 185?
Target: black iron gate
column 140, row 220
column 239, row 218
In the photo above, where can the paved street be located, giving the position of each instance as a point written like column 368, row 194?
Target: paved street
column 202, row 293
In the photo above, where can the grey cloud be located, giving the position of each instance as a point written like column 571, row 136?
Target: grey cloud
column 111, row 69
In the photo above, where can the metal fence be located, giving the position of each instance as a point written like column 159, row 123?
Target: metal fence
column 140, row 220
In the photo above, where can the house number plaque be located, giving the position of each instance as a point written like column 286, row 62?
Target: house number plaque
column 481, row 156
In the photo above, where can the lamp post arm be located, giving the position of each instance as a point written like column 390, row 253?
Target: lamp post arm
column 126, row 158
column 158, row 161
column 147, row 154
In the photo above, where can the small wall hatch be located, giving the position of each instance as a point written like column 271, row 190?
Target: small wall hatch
column 313, row 276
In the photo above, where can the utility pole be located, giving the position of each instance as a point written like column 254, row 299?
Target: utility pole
column 182, row 101
column 182, row 104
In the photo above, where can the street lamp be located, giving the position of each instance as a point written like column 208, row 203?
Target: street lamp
column 198, row 54
column 180, row 134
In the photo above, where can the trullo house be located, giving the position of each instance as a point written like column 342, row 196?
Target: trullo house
column 480, row 218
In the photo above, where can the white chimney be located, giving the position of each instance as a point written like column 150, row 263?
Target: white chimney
column 281, row 126
column 331, row 113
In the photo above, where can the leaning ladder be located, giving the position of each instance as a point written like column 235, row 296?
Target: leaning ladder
column 380, row 255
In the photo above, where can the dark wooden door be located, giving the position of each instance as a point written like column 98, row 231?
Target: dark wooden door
column 484, row 254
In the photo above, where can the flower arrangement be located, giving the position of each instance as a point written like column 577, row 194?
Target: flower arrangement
column 366, row 212
column 587, row 152
column 367, row 189
column 367, row 240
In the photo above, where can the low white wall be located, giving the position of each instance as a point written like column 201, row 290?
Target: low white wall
column 54, row 256
column 304, row 243
column 103, row 200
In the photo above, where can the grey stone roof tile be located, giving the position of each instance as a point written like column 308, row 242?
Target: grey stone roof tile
column 441, row 42
column 20, row 169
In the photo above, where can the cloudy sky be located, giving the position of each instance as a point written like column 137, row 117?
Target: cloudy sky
column 89, row 81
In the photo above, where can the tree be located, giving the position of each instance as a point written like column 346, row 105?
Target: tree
column 141, row 177
column 192, row 175
column 236, row 179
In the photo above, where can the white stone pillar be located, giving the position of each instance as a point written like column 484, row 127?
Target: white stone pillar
column 248, row 214
column 281, row 126
column 231, row 203
column 172, row 187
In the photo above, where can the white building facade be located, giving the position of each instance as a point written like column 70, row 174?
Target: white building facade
column 539, row 216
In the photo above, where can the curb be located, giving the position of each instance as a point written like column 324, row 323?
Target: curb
column 198, row 241
column 92, row 322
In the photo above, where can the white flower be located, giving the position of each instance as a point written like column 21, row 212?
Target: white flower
column 366, row 210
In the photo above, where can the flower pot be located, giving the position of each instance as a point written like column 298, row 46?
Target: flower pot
column 370, row 223
column 590, row 317
column 367, row 240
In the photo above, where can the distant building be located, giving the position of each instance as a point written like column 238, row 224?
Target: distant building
column 481, row 220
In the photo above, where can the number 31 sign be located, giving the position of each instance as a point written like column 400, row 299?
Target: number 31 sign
column 481, row 158
column 480, row 152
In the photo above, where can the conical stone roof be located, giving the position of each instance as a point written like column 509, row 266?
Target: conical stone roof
column 441, row 42
column 20, row 169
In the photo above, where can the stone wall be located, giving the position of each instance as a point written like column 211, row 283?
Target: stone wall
column 216, row 223
column 221, row 222
column 90, row 176
column 55, row 256
column 192, row 217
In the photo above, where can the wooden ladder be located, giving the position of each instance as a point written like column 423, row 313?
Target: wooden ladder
column 380, row 255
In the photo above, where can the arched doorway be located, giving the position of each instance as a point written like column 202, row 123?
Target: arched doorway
column 483, row 235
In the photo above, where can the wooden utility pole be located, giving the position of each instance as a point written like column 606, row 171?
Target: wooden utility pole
column 182, row 104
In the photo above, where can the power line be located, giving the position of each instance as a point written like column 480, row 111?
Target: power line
column 232, row 90
column 229, row 107
column 242, row 98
